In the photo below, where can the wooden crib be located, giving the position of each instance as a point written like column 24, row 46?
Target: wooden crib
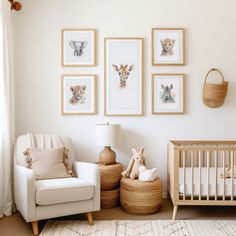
column 201, row 173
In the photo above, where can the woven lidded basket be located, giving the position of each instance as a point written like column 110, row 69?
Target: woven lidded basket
column 110, row 198
column 213, row 95
column 110, row 176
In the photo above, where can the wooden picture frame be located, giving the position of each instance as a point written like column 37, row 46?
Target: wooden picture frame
column 123, row 76
column 168, row 94
column 78, row 47
column 167, row 46
column 78, row 95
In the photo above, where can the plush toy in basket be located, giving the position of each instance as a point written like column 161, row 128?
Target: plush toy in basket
column 136, row 161
column 137, row 169
column 146, row 175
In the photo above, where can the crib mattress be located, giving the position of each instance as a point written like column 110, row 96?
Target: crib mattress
column 204, row 186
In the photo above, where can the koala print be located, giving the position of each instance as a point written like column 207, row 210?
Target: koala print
column 78, row 94
column 167, row 47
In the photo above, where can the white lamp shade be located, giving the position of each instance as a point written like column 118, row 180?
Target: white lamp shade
column 107, row 135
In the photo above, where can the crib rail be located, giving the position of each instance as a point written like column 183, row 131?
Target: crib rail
column 202, row 172
column 205, row 148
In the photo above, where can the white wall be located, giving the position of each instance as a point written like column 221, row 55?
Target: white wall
column 210, row 42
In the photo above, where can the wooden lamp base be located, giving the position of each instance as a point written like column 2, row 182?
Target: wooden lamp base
column 107, row 156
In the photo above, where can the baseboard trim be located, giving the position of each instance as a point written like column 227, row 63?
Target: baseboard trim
column 164, row 195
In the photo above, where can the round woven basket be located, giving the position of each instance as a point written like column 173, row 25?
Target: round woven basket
column 110, row 198
column 213, row 95
column 110, row 176
column 140, row 198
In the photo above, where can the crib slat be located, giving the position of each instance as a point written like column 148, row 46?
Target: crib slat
column 184, row 169
column 232, row 174
column 223, row 175
column 216, row 174
column 200, row 173
column 192, row 178
column 208, row 174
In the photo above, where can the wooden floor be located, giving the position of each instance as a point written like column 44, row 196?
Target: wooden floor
column 15, row 224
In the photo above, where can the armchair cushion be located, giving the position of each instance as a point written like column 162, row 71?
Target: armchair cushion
column 48, row 163
column 53, row 191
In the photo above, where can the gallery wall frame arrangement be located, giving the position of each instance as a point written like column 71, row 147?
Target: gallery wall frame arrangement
column 123, row 76
column 167, row 46
column 79, row 94
column 78, row 47
column 168, row 93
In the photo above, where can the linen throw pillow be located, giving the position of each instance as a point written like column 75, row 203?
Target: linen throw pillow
column 49, row 163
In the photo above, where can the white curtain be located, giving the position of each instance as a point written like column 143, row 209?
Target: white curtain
column 6, row 109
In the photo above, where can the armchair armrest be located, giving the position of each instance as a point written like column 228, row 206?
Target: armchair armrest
column 89, row 172
column 24, row 191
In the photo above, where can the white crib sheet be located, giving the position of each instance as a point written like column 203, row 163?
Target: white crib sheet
column 204, row 185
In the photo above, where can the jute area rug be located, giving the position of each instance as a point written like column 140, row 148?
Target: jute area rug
column 144, row 228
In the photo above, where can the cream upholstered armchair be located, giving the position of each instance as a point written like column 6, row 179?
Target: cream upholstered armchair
column 44, row 199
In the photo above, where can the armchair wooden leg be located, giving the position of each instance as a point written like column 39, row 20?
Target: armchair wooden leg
column 174, row 212
column 35, row 227
column 90, row 218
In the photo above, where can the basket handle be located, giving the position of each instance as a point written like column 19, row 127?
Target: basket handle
column 214, row 69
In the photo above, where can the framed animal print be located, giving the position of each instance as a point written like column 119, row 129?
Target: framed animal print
column 167, row 46
column 78, row 47
column 78, row 94
column 167, row 93
column 123, row 76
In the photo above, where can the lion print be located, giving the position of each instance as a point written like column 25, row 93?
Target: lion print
column 78, row 94
column 167, row 47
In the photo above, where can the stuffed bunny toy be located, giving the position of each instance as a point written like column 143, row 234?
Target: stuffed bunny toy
column 136, row 161
column 147, row 175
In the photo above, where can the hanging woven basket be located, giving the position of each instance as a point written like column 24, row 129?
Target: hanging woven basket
column 213, row 95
